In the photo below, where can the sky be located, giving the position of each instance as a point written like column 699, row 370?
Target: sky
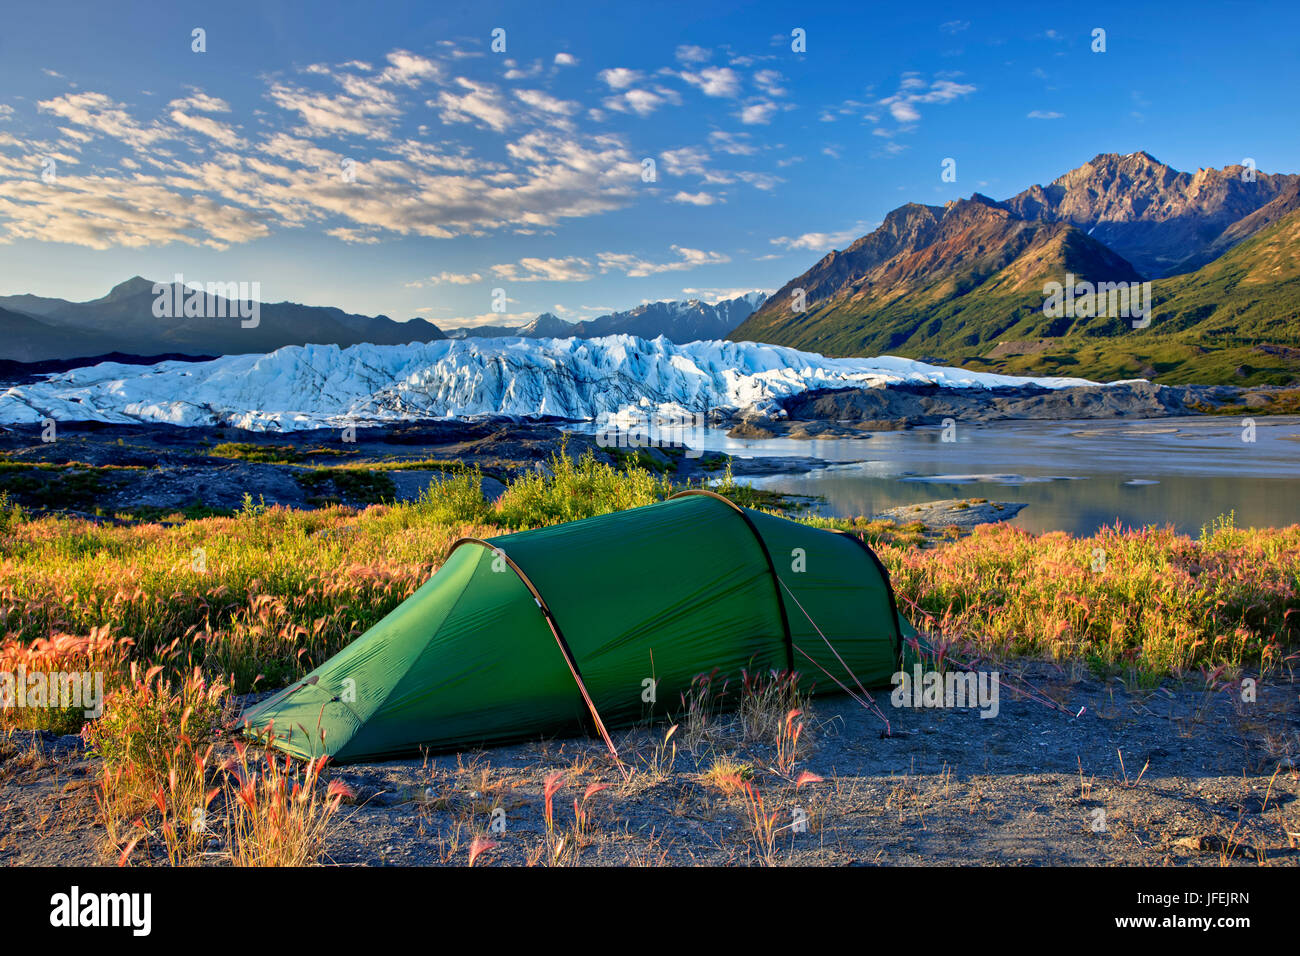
column 430, row 160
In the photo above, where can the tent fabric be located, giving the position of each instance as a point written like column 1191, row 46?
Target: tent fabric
column 560, row 630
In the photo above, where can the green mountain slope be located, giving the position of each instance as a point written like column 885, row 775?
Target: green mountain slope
column 1235, row 320
column 964, row 284
column 971, row 274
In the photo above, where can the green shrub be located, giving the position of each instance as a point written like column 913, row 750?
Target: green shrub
column 144, row 718
column 456, row 499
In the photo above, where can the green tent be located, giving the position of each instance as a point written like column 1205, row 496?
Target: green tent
column 562, row 629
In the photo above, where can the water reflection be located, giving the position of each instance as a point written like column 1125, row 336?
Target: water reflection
column 1074, row 476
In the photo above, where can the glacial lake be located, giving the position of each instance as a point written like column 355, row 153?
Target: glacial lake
column 1073, row 476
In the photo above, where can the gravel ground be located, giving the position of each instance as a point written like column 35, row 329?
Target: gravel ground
column 1175, row 774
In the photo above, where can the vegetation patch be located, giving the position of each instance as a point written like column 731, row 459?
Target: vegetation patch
column 273, row 454
column 73, row 485
column 262, row 454
column 351, row 484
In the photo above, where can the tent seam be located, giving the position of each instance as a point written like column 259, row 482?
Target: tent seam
column 771, row 565
column 554, row 626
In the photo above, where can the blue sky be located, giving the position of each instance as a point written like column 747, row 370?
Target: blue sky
column 474, row 170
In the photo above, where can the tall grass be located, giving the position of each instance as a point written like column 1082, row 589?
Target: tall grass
column 1152, row 598
column 267, row 595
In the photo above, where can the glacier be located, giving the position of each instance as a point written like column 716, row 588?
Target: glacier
column 313, row 386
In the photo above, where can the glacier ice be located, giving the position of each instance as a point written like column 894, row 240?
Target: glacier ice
column 310, row 386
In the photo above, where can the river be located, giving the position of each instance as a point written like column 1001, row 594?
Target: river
column 1074, row 476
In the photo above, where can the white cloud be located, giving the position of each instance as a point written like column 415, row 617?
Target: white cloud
column 634, row 267
column 182, row 115
column 769, row 81
column 565, row 59
column 642, row 102
column 326, row 114
column 569, row 269
column 913, row 91
column 100, row 113
column 525, row 73
column 619, row 78
column 733, row 144
column 758, row 113
column 823, row 241
column 358, row 236
column 453, row 278
column 1044, row 114
column 697, row 199
column 686, row 53
column 540, row 100
column 758, row 180
column 202, row 103
column 720, row 81
column 408, row 69
column 285, row 166
column 480, row 105
column 133, row 213
column 686, row 161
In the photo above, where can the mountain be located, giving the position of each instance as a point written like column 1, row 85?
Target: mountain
column 691, row 320
column 1233, row 321
column 548, row 326
column 483, row 332
column 931, row 277
column 1163, row 221
column 322, row 385
column 1287, row 201
column 965, row 283
column 27, row 338
column 124, row 321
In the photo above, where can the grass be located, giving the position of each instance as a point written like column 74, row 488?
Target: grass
column 272, row 454
column 161, row 797
column 727, row 773
column 266, row 454
column 1163, row 603
column 1282, row 402
column 268, row 594
column 355, row 484
column 278, row 812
